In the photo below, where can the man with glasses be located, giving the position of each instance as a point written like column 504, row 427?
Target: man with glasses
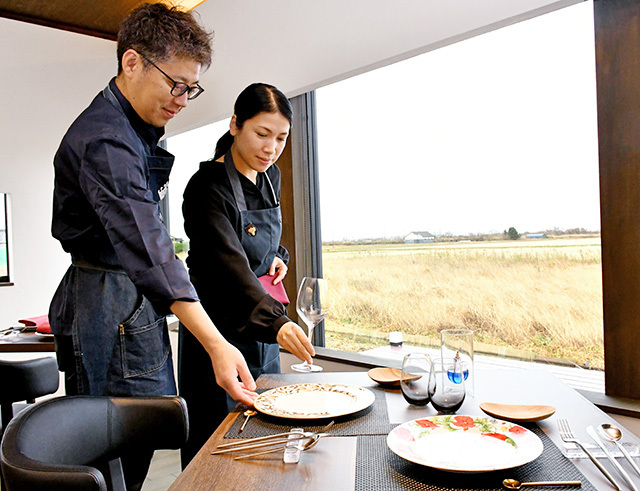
column 108, row 314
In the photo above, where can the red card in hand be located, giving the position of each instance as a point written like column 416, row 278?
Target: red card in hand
column 276, row 291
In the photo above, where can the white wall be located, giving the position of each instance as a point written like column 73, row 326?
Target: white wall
column 48, row 77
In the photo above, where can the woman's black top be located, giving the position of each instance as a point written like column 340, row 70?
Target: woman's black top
column 228, row 288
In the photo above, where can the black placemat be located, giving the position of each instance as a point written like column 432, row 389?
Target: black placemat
column 373, row 420
column 379, row 469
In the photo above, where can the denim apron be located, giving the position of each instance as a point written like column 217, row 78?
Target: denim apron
column 119, row 345
column 260, row 239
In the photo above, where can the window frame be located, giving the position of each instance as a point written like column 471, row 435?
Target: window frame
column 306, row 195
column 5, row 280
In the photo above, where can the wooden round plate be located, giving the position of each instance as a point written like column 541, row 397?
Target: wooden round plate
column 385, row 376
column 518, row 413
column 388, row 376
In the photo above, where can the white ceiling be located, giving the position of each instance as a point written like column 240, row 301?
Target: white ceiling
column 299, row 45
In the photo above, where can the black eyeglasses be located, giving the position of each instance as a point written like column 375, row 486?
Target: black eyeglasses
column 178, row 88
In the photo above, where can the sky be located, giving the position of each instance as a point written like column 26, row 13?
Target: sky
column 493, row 132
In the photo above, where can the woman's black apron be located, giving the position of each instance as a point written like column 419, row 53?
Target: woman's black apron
column 260, row 239
column 208, row 403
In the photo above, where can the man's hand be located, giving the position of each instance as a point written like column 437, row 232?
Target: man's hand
column 292, row 338
column 228, row 363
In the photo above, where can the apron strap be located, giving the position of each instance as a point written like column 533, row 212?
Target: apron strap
column 273, row 193
column 236, row 186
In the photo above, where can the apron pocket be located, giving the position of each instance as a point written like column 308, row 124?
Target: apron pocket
column 143, row 347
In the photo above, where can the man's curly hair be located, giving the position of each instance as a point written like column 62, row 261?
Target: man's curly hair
column 160, row 33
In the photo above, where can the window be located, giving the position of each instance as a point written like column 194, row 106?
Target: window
column 490, row 147
column 190, row 148
column 464, row 181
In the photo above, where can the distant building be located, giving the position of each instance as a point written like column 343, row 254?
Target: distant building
column 419, row 237
column 536, row 236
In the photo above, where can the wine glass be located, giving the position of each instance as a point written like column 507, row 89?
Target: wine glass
column 312, row 307
column 414, row 378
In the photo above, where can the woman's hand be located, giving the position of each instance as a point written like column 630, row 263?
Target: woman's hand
column 279, row 269
column 292, row 338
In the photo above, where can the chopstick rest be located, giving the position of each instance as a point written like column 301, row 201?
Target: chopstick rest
column 293, row 448
column 572, row 451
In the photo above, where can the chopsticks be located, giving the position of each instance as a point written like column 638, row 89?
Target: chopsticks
column 263, row 441
column 282, row 441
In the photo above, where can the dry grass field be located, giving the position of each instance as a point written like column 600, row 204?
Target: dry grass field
column 540, row 297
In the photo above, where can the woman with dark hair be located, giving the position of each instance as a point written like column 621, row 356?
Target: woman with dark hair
column 233, row 220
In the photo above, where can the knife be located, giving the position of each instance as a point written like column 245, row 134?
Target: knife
column 592, row 433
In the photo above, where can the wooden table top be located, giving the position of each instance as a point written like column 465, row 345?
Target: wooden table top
column 11, row 341
column 331, row 464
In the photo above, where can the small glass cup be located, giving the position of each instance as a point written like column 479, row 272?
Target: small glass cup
column 414, row 378
column 459, row 342
column 447, row 385
column 395, row 339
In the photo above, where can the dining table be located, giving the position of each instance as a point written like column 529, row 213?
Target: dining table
column 358, row 457
column 18, row 341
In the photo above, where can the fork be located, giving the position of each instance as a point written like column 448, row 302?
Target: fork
column 567, row 436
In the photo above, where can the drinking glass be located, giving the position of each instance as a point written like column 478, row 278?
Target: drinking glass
column 459, row 342
column 312, row 307
column 446, row 386
column 414, row 378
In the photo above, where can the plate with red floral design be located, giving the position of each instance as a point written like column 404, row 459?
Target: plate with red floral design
column 460, row 443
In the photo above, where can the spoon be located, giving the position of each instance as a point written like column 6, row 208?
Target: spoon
column 515, row 484
column 612, row 433
column 248, row 413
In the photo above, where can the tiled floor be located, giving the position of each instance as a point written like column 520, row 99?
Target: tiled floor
column 165, row 468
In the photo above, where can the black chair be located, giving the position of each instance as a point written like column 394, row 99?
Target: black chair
column 75, row 442
column 24, row 381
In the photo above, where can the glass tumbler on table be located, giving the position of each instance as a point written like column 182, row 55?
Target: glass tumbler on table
column 459, row 343
column 414, row 378
column 312, row 306
column 446, row 387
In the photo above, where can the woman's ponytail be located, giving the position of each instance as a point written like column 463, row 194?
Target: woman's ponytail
column 223, row 145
